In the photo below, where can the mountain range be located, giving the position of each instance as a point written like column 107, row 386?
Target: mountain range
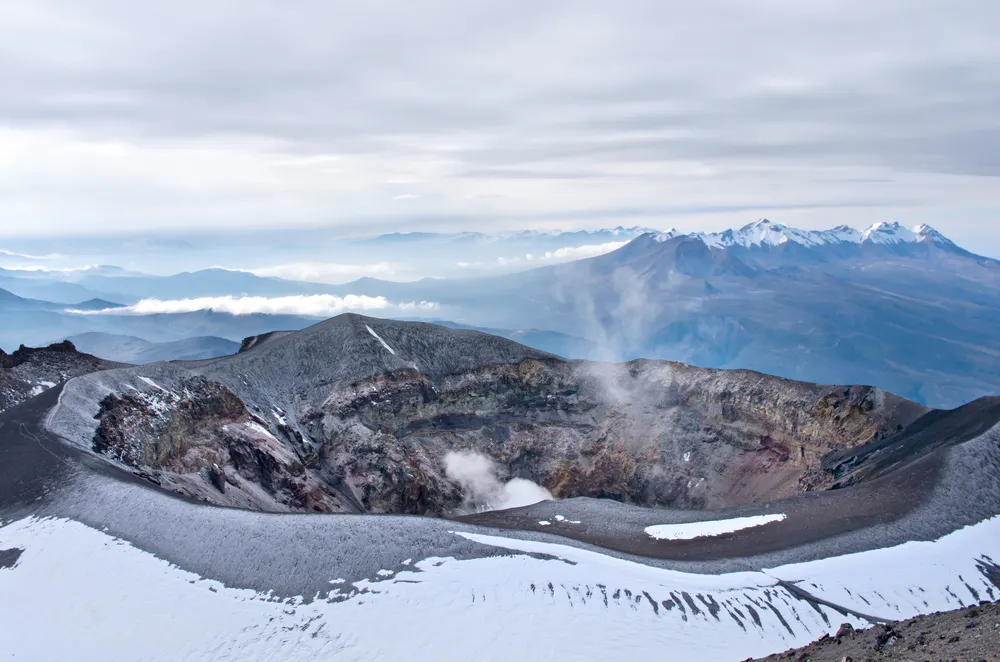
column 902, row 309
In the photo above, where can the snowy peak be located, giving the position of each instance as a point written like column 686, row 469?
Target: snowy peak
column 666, row 236
column 767, row 234
column 893, row 233
column 926, row 233
column 889, row 233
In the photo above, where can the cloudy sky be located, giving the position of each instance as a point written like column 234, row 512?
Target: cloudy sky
column 184, row 117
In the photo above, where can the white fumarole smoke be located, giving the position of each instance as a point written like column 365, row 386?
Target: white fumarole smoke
column 477, row 476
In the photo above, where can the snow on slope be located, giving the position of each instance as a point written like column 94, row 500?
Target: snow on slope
column 766, row 233
column 379, row 338
column 111, row 601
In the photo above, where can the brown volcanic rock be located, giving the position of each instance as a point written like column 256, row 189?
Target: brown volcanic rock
column 647, row 432
column 200, row 433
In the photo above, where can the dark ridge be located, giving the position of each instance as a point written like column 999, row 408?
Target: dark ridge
column 250, row 342
column 934, row 430
column 23, row 353
column 9, row 557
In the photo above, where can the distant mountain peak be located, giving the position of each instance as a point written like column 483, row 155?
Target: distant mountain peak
column 893, row 232
column 765, row 233
column 763, row 223
column 927, row 233
column 666, row 236
column 885, row 232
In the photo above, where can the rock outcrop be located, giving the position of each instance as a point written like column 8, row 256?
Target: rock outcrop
column 202, row 434
column 29, row 371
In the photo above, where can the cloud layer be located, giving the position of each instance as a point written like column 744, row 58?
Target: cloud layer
column 262, row 113
column 563, row 254
column 326, row 272
column 316, row 305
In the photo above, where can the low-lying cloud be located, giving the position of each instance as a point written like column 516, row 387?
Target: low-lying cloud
column 325, row 272
column 314, row 305
column 559, row 255
column 476, row 475
column 580, row 252
column 27, row 256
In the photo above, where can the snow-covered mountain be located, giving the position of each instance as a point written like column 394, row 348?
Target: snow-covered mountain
column 766, row 234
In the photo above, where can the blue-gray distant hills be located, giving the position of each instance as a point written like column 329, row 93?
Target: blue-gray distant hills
column 129, row 349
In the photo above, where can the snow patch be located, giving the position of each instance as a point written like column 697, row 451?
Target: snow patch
column 691, row 530
column 257, row 427
column 157, row 386
column 379, row 338
column 560, row 518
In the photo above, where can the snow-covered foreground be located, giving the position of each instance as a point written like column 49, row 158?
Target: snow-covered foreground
column 76, row 593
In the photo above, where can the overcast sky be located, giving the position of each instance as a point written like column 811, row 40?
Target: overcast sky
column 119, row 116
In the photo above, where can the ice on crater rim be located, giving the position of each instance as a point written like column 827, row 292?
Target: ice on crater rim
column 690, row 530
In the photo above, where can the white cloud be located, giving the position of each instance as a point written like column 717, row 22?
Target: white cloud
column 37, row 268
column 325, row 272
column 28, row 256
column 315, row 305
column 580, row 252
column 559, row 255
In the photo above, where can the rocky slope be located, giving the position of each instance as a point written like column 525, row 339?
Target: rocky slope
column 359, row 413
column 971, row 634
column 30, row 371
